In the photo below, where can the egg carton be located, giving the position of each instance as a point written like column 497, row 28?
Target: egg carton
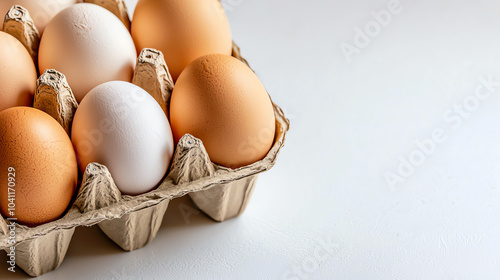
column 130, row 221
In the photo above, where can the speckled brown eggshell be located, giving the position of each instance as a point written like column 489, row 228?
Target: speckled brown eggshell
column 46, row 170
column 219, row 100
column 17, row 73
column 182, row 30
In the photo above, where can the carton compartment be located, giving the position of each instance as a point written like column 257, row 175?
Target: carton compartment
column 130, row 221
column 230, row 199
column 45, row 253
column 135, row 230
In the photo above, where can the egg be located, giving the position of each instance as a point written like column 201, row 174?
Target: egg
column 120, row 125
column 40, row 11
column 219, row 100
column 38, row 166
column 17, row 73
column 89, row 45
column 182, row 30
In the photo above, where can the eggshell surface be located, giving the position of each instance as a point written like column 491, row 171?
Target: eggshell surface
column 219, row 100
column 46, row 172
column 182, row 30
column 17, row 73
column 40, row 11
column 120, row 125
column 90, row 46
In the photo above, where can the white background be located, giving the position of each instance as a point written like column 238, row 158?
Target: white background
column 352, row 122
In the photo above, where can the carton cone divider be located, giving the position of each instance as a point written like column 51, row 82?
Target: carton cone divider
column 98, row 189
column 130, row 221
column 152, row 75
column 117, row 7
column 19, row 24
column 54, row 96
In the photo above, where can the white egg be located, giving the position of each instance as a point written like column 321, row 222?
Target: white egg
column 40, row 11
column 120, row 125
column 90, row 46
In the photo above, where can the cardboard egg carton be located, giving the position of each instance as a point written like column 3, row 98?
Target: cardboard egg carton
column 130, row 221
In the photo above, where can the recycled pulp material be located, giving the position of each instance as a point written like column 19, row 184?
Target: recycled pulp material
column 19, row 24
column 132, row 221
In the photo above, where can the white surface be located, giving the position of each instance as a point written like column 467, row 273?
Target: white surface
column 350, row 124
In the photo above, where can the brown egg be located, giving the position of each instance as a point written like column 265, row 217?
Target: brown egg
column 182, row 30
column 17, row 73
column 219, row 100
column 38, row 166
